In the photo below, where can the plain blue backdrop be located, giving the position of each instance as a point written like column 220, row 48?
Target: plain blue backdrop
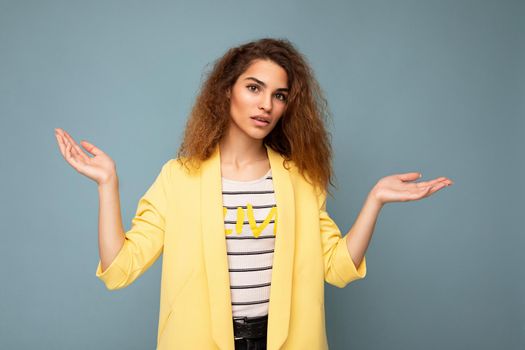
column 429, row 86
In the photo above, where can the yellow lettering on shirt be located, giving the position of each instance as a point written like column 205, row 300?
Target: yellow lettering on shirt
column 226, row 230
column 256, row 230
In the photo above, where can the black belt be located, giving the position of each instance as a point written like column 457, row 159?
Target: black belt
column 250, row 327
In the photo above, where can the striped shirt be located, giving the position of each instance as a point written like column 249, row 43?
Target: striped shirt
column 250, row 223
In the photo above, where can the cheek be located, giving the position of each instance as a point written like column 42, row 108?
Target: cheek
column 280, row 109
column 243, row 99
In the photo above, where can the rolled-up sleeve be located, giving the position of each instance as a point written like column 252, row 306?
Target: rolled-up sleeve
column 144, row 242
column 339, row 267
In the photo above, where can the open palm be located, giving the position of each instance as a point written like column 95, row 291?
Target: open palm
column 99, row 168
column 400, row 188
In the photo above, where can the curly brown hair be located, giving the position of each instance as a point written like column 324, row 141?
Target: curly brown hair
column 300, row 135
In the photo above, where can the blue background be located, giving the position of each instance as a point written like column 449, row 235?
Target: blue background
column 429, row 86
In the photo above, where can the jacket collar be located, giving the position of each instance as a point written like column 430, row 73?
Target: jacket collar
column 216, row 260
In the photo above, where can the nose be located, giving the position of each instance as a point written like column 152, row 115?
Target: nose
column 266, row 102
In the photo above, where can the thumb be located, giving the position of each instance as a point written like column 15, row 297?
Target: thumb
column 410, row 176
column 91, row 148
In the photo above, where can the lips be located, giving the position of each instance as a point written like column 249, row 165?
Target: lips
column 262, row 119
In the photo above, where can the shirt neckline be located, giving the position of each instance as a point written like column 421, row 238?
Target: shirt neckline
column 262, row 178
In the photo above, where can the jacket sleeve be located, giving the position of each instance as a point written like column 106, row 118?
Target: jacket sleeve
column 339, row 268
column 144, row 242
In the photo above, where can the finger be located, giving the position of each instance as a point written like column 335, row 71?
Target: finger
column 76, row 150
column 72, row 151
column 430, row 183
column 443, row 180
column 66, row 143
column 74, row 160
column 61, row 144
column 69, row 153
column 60, row 132
column 91, row 148
column 68, row 156
column 426, row 191
column 79, row 154
column 435, row 188
column 409, row 176
column 70, row 139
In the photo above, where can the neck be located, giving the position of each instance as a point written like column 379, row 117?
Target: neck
column 240, row 149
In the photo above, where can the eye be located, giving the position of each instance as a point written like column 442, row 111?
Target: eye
column 253, row 88
column 282, row 97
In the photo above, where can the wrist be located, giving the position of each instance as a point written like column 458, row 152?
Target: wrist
column 110, row 182
column 374, row 200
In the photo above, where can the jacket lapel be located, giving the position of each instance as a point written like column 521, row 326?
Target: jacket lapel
column 216, row 260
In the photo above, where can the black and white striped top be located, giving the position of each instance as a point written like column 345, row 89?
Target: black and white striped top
column 250, row 223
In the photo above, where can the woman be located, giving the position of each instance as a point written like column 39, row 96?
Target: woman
column 240, row 214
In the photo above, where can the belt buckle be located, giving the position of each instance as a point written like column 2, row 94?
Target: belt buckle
column 241, row 319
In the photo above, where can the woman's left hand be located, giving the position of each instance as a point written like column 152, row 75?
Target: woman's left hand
column 399, row 188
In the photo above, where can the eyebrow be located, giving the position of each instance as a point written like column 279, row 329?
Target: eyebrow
column 263, row 84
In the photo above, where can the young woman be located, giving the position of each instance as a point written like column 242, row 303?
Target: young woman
column 240, row 214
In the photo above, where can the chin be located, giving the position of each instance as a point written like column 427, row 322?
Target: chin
column 255, row 133
column 258, row 136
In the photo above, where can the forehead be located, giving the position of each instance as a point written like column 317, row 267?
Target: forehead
column 268, row 72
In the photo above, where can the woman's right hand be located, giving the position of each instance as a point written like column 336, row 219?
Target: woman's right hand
column 101, row 168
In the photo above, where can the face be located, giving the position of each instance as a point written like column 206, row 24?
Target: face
column 260, row 92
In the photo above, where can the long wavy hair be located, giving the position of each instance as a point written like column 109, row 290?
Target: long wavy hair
column 300, row 135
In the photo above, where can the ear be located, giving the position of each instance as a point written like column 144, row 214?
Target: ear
column 228, row 93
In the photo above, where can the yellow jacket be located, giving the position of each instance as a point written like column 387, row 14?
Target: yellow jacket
column 181, row 216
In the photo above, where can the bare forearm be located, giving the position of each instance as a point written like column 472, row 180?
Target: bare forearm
column 359, row 236
column 110, row 231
